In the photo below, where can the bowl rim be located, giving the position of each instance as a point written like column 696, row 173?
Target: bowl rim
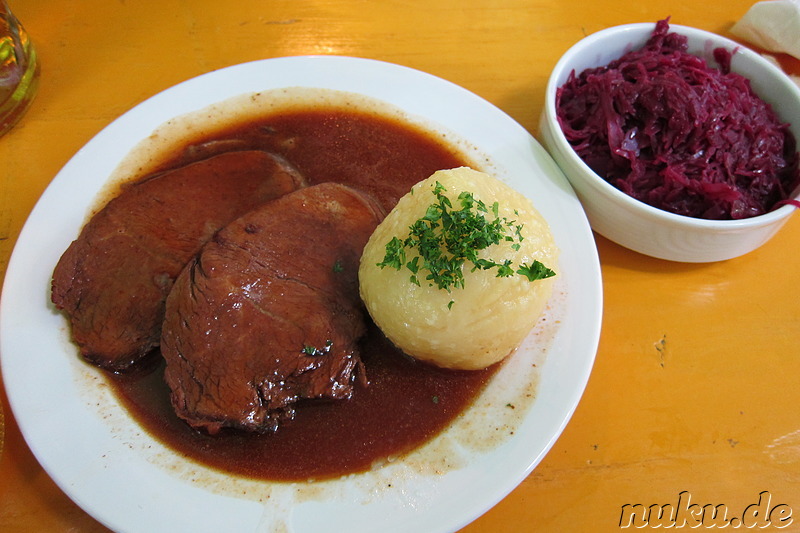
column 636, row 29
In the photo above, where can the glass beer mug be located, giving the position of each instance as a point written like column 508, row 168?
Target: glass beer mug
column 19, row 69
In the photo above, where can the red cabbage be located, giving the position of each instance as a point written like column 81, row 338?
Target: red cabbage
column 666, row 128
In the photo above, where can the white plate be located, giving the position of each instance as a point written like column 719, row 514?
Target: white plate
column 102, row 460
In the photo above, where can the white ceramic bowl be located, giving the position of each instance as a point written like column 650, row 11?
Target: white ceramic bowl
column 632, row 223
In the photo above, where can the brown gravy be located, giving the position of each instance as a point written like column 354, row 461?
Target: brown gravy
column 406, row 403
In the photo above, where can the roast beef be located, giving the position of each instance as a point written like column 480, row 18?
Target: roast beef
column 268, row 313
column 114, row 278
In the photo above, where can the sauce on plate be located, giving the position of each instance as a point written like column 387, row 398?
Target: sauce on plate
column 405, row 403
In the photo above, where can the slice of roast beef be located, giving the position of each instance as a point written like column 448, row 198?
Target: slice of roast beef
column 114, row 278
column 268, row 313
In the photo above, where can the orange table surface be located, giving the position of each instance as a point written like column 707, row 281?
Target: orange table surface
column 694, row 388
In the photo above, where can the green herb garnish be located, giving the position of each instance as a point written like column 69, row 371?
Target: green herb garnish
column 313, row 350
column 536, row 271
column 447, row 238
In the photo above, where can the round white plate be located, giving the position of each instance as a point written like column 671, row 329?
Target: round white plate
column 127, row 480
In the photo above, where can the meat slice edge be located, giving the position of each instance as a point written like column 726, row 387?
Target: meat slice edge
column 268, row 313
column 113, row 280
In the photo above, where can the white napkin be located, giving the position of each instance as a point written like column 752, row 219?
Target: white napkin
column 773, row 25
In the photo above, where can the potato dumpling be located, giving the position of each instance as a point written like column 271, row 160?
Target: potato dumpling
column 441, row 318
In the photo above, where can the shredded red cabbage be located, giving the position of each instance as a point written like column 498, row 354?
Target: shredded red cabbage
column 664, row 127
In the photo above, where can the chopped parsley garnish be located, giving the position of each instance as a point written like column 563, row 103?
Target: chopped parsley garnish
column 447, row 238
column 536, row 271
column 313, row 350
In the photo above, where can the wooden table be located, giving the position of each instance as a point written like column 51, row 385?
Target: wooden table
column 694, row 389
